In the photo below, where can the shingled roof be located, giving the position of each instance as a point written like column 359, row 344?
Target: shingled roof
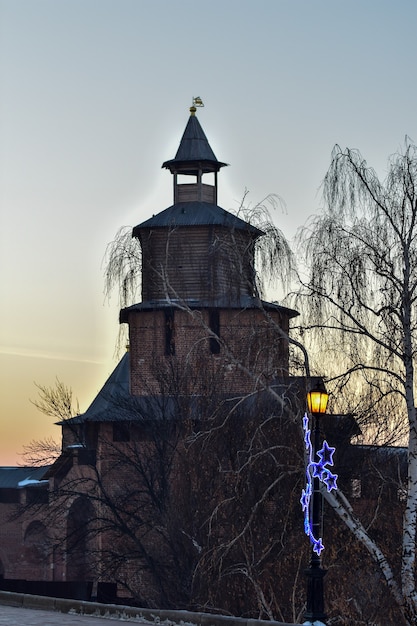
column 196, row 214
column 194, row 148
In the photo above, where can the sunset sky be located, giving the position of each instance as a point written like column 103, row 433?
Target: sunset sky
column 94, row 96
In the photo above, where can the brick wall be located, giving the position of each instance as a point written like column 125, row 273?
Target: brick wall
column 252, row 349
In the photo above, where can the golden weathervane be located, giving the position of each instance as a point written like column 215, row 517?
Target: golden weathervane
column 197, row 102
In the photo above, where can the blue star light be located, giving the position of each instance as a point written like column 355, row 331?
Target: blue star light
column 305, row 499
column 330, row 481
column 318, row 546
column 326, row 454
column 320, row 471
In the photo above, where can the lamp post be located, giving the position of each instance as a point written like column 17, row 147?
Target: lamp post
column 317, row 399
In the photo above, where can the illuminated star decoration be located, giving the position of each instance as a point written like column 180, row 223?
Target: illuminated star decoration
column 318, row 470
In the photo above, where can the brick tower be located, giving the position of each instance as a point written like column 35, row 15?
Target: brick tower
column 200, row 308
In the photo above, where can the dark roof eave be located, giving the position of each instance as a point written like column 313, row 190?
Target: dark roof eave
column 193, row 165
column 195, row 213
column 246, row 303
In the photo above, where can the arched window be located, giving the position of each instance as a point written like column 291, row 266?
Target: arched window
column 37, row 547
column 79, row 540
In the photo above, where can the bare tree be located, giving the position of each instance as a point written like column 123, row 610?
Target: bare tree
column 123, row 266
column 39, row 452
column 359, row 304
column 57, row 401
column 53, row 401
column 187, row 505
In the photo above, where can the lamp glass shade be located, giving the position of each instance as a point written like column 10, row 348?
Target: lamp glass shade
column 317, row 401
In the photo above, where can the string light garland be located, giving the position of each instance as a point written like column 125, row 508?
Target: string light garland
column 318, row 470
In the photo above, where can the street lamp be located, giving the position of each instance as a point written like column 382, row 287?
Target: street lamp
column 317, row 399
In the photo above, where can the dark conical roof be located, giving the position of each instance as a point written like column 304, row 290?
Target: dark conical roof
column 194, row 148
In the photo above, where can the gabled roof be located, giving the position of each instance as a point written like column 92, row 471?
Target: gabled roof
column 194, row 148
column 196, row 214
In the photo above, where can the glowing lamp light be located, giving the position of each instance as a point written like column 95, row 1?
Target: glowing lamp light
column 317, row 400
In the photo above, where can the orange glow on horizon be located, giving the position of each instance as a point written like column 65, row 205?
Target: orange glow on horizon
column 20, row 420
